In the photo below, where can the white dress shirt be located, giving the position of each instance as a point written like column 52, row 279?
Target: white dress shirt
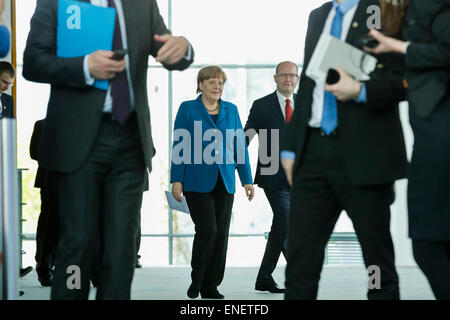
column 319, row 90
column 123, row 31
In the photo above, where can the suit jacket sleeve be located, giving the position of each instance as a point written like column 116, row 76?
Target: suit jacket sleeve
column 244, row 170
column 436, row 54
column 388, row 80
column 177, row 169
column 252, row 122
column 36, row 140
column 159, row 27
column 40, row 63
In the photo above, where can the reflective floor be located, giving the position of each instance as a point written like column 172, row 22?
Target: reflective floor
column 171, row 283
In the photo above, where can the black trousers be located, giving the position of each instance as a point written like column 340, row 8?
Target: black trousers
column 99, row 207
column 433, row 258
column 211, row 214
column 47, row 232
column 320, row 192
column 277, row 242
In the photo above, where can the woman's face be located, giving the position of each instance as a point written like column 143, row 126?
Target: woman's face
column 212, row 88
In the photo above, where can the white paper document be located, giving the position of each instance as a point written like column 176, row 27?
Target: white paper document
column 175, row 205
column 331, row 52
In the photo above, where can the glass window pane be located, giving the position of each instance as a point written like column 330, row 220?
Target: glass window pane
column 154, row 213
column 243, row 32
column 154, row 251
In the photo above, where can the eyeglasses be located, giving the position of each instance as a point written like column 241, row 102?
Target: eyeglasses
column 290, row 76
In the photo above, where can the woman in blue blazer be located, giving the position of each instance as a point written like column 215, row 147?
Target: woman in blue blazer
column 209, row 145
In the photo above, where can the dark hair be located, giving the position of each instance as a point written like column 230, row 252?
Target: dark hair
column 5, row 66
column 393, row 13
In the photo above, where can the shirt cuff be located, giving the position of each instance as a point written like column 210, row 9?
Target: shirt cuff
column 87, row 74
column 285, row 154
column 406, row 47
column 188, row 55
column 363, row 94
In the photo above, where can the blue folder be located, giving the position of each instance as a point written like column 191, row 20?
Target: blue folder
column 83, row 29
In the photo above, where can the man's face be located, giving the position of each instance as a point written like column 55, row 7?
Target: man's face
column 286, row 78
column 6, row 81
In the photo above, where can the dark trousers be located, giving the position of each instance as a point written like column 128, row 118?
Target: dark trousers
column 433, row 258
column 211, row 214
column 277, row 242
column 99, row 206
column 47, row 229
column 138, row 240
column 321, row 191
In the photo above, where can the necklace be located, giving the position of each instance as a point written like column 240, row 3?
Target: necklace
column 212, row 110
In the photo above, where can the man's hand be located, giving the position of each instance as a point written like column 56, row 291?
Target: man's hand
column 288, row 166
column 249, row 191
column 173, row 50
column 177, row 189
column 346, row 89
column 102, row 67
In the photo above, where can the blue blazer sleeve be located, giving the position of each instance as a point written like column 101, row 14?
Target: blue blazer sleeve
column 244, row 170
column 178, row 167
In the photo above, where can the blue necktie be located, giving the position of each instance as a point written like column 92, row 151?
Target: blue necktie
column 120, row 90
column 329, row 116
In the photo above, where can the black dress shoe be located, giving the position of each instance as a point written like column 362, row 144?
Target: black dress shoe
column 24, row 271
column 212, row 294
column 192, row 292
column 138, row 265
column 271, row 286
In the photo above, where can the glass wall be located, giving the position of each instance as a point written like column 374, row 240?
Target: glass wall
column 247, row 39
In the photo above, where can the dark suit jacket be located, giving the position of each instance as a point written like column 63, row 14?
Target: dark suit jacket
column 35, row 149
column 75, row 109
column 7, row 106
column 370, row 135
column 427, row 26
column 266, row 114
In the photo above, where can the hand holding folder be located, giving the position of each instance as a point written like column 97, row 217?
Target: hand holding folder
column 83, row 29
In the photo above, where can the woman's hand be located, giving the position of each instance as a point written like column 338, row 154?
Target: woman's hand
column 249, row 191
column 386, row 44
column 177, row 190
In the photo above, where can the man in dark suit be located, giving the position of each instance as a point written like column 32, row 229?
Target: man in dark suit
column 268, row 117
column 7, row 76
column 343, row 150
column 99, row 143
column 47, row 227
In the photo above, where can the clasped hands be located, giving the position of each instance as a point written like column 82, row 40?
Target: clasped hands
column 102, row 67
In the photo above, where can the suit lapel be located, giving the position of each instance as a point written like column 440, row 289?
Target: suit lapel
column 317, row 28
column 358, row 27
column 130, row 13
column 275, row 108
column 205, row 114
column 223, row 112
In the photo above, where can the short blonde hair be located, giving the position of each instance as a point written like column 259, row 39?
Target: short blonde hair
column 208, row 73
